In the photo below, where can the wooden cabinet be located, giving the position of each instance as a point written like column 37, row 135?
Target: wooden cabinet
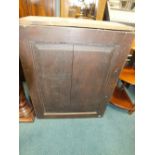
column 71, row 66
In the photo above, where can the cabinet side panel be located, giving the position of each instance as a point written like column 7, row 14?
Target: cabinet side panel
column 117, row 63
column 26, row 58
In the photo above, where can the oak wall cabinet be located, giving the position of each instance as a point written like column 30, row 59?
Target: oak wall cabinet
column 72, row 65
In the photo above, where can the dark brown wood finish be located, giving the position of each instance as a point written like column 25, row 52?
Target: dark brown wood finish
column 90, row 69
column 71, row 71
column 53, row 64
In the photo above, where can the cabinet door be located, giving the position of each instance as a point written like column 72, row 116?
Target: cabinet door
column 53, row 63
column 71, row 70
column 90, row 74
column 49, row 77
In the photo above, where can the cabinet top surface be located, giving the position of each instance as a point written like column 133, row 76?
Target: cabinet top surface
column 72, row 22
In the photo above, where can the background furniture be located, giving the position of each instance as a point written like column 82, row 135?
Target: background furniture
column 63, row 8
column 122, row 11
column 26, row 112
column 120, row 96
column 70, row 8
column 121, row 99
column 72, row 66
column 37, row 8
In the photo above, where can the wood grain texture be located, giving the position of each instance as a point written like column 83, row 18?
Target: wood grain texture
column 128, row 75
column 36, row 8
column 100, row 9
column 23, row 8
column 64, row 8
column 121, row 100
column 71, row 71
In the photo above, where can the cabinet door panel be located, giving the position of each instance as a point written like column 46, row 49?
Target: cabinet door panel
column 53, row 65
column 90, row 70
column 71, row 70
